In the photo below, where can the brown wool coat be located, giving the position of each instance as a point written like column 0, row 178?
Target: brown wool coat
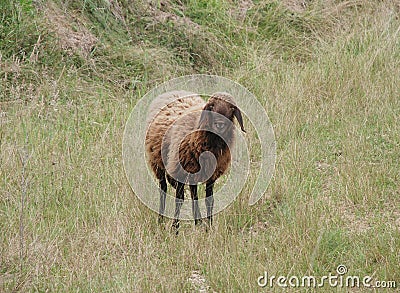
column 172, row 140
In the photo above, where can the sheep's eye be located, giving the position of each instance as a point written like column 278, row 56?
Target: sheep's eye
column 219, row 125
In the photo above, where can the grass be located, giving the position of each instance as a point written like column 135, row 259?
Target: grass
column 328, row 76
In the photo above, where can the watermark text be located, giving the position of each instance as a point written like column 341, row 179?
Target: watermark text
column 338, row 279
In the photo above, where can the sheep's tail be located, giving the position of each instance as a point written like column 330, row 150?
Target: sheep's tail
column 171, row 181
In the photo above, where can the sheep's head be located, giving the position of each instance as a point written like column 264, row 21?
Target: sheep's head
column 226, row 110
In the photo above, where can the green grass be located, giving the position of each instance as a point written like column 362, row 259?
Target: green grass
column 327, row 75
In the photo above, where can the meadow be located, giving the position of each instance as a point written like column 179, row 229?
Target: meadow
column 326, row 72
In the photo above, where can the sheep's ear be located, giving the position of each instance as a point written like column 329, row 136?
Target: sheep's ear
column 238, row 115
column 205, row 115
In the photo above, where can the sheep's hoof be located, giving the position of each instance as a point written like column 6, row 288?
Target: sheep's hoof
column 204, row 225
column 175, row 227
column 160, row 219
column 208, row 224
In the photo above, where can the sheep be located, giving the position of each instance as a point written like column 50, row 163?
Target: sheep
column 188, row 142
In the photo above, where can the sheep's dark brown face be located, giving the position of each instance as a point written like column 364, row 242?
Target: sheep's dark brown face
column 218, row 115
column 223, row 122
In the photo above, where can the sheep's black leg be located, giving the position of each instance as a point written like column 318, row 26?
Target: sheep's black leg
column 195, row 205
column 178, row 204
column 209, row 201
column 163, row 195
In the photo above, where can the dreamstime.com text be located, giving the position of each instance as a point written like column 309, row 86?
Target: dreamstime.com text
column 333, row 280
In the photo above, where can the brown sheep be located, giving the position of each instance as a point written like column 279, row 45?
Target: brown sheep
column 188, row 142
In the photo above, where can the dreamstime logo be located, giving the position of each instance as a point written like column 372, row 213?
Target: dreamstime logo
column 332, row 280
column 253, row 154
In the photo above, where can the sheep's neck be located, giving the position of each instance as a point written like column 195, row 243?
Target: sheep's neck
column 213, row 142
column 200, row 142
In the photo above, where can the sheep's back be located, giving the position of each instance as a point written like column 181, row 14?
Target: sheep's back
column 180, row 109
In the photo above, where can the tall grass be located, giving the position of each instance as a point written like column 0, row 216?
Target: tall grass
column 328, row 77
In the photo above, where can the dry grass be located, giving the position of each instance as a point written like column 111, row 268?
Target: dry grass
column 334, row 198
column 71, row 33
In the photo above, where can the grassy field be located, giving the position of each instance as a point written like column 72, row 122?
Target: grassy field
column 328, row 75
